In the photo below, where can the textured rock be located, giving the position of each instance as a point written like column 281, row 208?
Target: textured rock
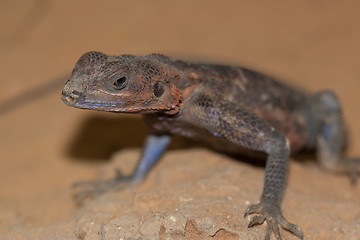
column 197, row 194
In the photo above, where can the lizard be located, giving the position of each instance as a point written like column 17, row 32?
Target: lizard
column 231, row 108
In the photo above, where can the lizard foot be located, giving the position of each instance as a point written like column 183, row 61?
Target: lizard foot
column 93, row 188
column 274, row 218
column 352, row 165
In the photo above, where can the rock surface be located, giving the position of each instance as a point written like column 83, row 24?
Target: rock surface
column 196, row 194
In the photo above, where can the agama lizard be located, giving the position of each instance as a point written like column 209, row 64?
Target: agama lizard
column 231, row 108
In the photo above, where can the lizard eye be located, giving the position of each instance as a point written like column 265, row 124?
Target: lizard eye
column 120, row 83
column 159, row 89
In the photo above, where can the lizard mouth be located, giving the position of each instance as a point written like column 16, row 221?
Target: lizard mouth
column 78, row 100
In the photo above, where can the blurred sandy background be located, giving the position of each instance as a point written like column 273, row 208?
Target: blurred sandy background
column 45, row 146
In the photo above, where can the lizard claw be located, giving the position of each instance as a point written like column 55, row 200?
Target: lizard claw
column 93, row 188
column 273, row 217
column 256, row 221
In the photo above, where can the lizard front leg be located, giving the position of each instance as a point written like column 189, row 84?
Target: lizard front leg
column 154, row 147
column 230, row 121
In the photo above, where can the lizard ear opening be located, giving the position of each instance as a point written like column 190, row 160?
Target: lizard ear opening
column 159, row 89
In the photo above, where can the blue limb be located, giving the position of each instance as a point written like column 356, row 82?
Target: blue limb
column 155, row 146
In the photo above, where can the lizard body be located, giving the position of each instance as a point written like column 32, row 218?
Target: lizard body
column 231, row 108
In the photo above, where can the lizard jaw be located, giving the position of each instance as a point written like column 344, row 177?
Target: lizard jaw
column 78, row 100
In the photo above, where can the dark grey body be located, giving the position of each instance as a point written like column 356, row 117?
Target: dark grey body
column 231, row 108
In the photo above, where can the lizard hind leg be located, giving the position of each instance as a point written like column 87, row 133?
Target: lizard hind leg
column 331, row 138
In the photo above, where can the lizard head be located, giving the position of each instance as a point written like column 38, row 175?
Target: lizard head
column 123, row 83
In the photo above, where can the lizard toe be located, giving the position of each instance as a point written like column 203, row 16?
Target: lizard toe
column 294, row 229
column 272, row 227
column 93, row 188
column 256, row 221
column 255, row 208
column 273, row 217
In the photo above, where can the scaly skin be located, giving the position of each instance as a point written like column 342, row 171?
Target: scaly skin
column 233, row 109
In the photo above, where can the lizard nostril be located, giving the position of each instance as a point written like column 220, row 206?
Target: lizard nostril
column 69, row 99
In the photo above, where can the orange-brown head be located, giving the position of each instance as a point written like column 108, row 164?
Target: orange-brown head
column 123, row 83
